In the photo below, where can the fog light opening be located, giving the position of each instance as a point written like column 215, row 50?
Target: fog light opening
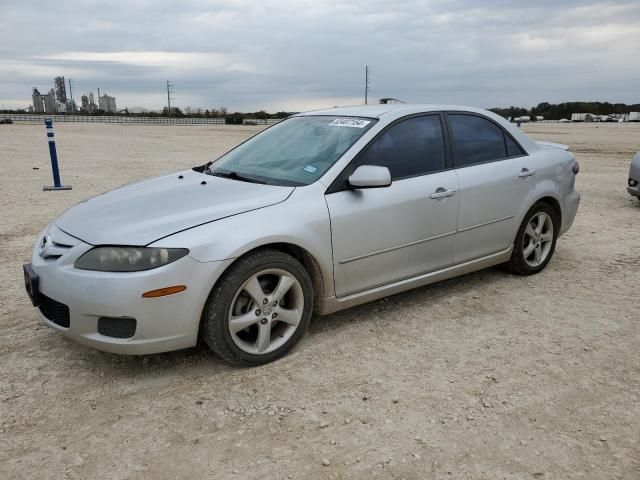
column 632, row 182
column 576, row 168
column 163, row 292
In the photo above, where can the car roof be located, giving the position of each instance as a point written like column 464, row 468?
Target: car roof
column 378, row 110
column 388, row 113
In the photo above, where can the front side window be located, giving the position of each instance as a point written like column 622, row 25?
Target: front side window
column 475, row 140
column 294, row 152
column 409, row 148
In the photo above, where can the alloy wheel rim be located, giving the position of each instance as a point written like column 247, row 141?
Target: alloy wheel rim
column 266, row 311
column 538, row 239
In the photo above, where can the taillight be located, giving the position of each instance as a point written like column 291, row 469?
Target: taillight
column 576, row 168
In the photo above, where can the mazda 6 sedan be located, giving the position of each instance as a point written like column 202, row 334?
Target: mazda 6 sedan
column 320, row 212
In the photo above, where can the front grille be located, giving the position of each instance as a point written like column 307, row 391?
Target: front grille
column 54, row 311
column 120, row 327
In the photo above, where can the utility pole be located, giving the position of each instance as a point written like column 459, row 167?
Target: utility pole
column 98, row 98
column 366, row 84
column 169, row 92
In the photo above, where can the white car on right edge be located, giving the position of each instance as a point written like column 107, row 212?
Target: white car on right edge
column 633, row 184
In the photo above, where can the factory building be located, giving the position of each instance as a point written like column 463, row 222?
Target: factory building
column 38, row 103
column 56, row 101
column 49, row 101
column 107, row 103
column 61, row 90
column 88, row 103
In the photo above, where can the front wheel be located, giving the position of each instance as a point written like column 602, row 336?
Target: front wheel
column 259, row 309
column 536, row 240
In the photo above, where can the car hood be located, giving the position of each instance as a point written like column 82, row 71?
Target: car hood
column 143, row 212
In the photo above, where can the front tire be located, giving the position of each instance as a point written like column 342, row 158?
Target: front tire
column 535, row 242
column 259, row 309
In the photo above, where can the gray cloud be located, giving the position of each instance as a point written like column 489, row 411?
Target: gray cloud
column 303, row 54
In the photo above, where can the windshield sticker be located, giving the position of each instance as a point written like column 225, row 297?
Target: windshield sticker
column 310, row 169
column 350, row 122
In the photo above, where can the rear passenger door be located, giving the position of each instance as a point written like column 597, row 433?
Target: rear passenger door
column 496, row 181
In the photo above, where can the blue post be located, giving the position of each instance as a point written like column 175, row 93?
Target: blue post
column 54, row 159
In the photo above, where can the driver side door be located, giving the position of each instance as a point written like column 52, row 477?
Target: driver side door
column 382, row 235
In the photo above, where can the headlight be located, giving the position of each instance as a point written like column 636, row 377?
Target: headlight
column 128, row 259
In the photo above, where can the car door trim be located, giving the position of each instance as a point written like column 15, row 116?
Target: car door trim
column 484, row 224
column 422, row 240
column 334, row 304
column 396, row 247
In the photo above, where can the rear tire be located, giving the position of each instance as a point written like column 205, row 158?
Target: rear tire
column 259, row 309
column 535, row 242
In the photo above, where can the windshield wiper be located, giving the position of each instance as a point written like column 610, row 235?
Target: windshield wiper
column 234, row 176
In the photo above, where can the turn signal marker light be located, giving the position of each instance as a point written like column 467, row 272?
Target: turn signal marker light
column 162, row 292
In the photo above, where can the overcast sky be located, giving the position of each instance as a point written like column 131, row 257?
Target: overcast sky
column 292, row 55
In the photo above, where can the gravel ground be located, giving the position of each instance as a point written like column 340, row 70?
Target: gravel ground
column 486, row 376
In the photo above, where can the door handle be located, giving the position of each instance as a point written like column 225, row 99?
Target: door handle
column 525, row 172
column 443, row 193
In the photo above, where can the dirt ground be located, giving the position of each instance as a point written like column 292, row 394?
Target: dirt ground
column 487, row 376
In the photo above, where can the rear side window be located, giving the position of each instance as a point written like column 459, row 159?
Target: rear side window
column 513, row 149
column 410, row 148
column 475, row 140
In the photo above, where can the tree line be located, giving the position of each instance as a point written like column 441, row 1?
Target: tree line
column 550, row 111
column 191, row 112
column 557, row 111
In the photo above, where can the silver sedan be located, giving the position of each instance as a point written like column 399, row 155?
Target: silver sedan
column 323, row 211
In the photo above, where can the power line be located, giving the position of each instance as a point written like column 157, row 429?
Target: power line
column 366, row 84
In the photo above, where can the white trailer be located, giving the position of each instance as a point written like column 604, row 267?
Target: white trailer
column 581, row 117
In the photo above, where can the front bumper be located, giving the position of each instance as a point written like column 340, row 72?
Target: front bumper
column 162, row 324
column 635, row 190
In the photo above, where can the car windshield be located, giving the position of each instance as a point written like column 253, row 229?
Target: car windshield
column 294, row 152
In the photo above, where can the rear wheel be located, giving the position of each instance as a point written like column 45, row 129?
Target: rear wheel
column 259, row 309
column 536, row 240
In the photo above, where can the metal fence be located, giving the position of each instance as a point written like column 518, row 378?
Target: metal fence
column 120, row 119
column 261, row 121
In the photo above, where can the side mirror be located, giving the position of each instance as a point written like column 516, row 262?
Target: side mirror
column 370, row 176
